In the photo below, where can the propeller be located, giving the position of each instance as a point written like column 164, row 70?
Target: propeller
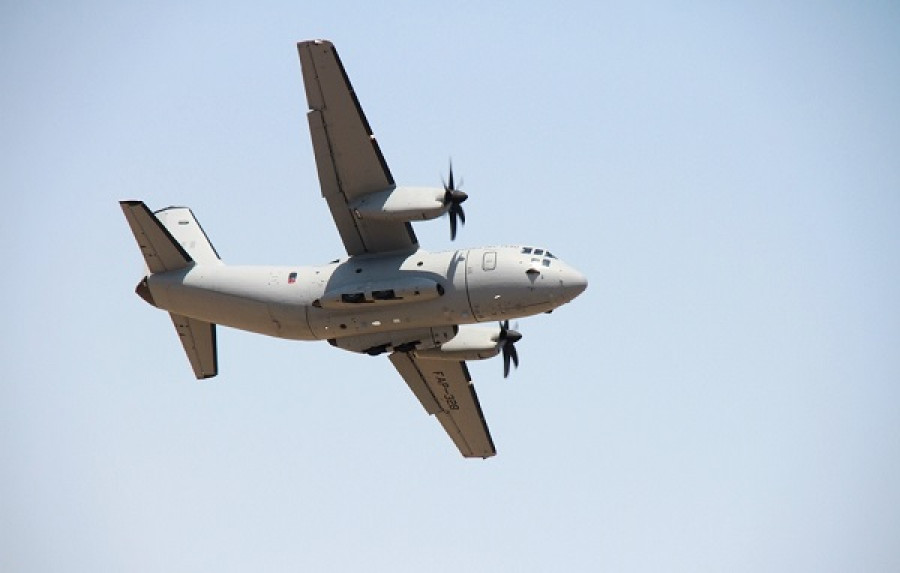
column 507, row 339
column 454, row 197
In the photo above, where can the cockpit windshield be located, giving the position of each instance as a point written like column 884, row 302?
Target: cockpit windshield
column 537, row 252
column 542, row 256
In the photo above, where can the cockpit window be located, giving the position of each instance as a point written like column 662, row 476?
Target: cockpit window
column 546, row 262
column 537, row 252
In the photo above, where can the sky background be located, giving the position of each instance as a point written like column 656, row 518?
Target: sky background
column 725, row 396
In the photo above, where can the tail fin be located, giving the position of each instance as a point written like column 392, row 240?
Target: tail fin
column 170, row 240
column 183, row 226
column 161, row 251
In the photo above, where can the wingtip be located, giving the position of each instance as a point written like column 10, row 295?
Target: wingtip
column 315, row 42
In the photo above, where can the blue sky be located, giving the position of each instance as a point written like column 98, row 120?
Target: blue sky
column 723, row 397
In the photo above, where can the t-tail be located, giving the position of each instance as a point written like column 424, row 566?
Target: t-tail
column 171, row 239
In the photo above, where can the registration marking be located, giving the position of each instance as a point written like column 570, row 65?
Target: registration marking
column 448, row 396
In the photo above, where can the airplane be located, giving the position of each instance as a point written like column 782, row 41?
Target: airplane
column 430, row 312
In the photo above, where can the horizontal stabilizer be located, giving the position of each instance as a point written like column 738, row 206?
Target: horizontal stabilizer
column 161, row 251
column 199, row 341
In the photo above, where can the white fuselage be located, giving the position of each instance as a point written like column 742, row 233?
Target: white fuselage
column 369, row 294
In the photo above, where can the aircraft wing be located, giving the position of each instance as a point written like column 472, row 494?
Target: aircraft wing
column 348, row 159
column 445, row 389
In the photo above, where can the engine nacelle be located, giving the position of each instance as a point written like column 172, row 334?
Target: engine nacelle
column 472, row 342
column 402, row 204
column 412, row 289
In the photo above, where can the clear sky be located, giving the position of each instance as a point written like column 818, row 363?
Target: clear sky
column 725, row 396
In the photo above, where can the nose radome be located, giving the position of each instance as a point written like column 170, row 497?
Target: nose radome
column 575, row 283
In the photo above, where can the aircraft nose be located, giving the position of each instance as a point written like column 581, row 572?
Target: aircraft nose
column 575, row 283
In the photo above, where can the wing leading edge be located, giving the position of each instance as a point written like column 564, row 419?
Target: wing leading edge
column 445, row 390
column 348, row 159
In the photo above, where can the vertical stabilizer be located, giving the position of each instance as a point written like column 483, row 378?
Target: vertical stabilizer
column 183, row 226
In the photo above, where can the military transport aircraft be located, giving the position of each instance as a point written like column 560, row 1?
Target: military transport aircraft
column 388, row 295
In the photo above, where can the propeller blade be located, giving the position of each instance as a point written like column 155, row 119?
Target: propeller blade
column 507, row 339
column 454, row 198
